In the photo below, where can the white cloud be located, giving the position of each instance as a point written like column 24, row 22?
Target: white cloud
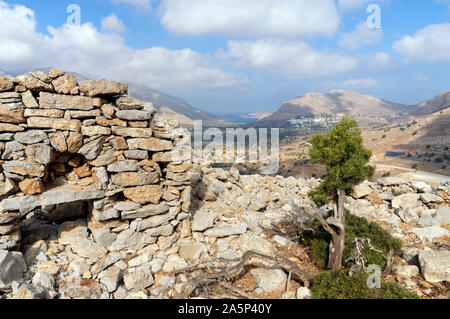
column 362, row 35
column 430, row 44
column 377, row 61
column 354, row 84
column 255, row 18
column 290, row 59
column 348, row 5
column 88, row 51
column 421, row 77
column 137, row 3
column 113, row 24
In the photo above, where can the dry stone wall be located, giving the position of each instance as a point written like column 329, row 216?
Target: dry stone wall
column 63, row 142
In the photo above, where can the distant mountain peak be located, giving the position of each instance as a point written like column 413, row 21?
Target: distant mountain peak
column 365, row 108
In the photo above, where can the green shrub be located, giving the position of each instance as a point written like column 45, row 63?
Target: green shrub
column 415, row 133
column 356, row 227
column 336, row 284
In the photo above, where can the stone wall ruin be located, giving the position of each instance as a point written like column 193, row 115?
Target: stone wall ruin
column 65, row 142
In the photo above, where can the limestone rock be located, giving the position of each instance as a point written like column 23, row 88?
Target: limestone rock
column 66, row 102
column 13, row 267
column 227, row 230
column 150, row 144
column 95, row 130
column 92, row 149
column 203, row 220
column 127, row 103
column 5, row 127
column 406, row 201
column 7, row 187
column 31, row 187
column 43, row 113
column 406, row 271
column 29, row 101
column 429, row 233
column 430, row 198
column 146, row 211
column 27, row 291
column 435, row 265
column 104, row 88
column 304, row 293
column 442, row 215
column 11, row 114
column 270, row 280
column 58, row 142
column 34, row 82
column 139, row 279
column 134, row 115
column 112, row 278
column 132, row 132
column 124, row 166
column 50, row 123
column 191, row 250
column 40, row 153
column 23, row 168
column 66, row 84
column 361, row 191
column 6, row 84
column 31, row 137
column 87, row 248
column 135, row 179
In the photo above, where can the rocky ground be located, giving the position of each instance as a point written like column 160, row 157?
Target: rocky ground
column 230, row 215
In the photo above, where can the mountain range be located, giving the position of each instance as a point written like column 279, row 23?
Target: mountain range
column 368, row 110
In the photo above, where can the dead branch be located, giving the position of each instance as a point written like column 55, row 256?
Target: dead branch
column 390, row 264
column 229, row 270
column 322, row 221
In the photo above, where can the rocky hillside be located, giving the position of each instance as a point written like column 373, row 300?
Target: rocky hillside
column 367, row 109
column 436, row 104
column 231, row 215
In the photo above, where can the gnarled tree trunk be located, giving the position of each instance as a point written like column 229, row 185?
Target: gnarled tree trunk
column 338, row 235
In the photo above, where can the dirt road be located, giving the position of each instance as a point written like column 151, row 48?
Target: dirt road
column 417, row 175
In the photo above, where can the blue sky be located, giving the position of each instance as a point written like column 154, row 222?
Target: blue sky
column 228, row 56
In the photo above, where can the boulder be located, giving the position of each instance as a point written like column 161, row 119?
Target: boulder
column 12, row 266
column 406, row 201
column 139, row 279
column 435, row 265
column 442, row 215
column 270, row 280
column 203, row 220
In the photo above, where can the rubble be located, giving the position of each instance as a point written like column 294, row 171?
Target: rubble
column 89, row 152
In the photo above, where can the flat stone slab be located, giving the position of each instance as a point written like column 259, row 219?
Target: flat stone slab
column 59, row 195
